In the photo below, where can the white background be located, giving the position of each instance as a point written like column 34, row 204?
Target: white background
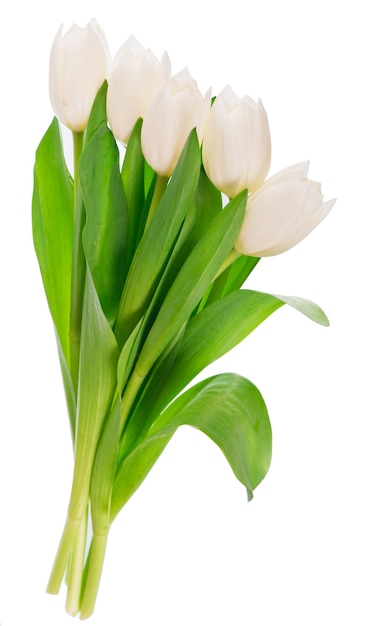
column 313, row 547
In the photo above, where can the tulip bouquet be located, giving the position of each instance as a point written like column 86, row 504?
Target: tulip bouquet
column 143, row 254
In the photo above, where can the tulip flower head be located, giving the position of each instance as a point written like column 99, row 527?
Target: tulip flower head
column 236, row 147
column 79, row 63
column 136, row 77
column 174, row 112
column 282, row 212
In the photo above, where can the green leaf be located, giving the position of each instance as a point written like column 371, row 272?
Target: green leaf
column 97, row 384
column 227, row 408
column 223, row 325
column 104, row 470
column 68, row 389
column 208, row 336
column 192, row 281
column 157, row 242
column 307, row 307
column 133, row 345
column 105, row 231
column 208, row 204
column 232, row 278
column 98, row 113
column 52, row 219
column 128, row 355
column 134, row 470
column 133, row 181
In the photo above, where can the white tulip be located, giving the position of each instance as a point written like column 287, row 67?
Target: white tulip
column 136, row 77
column 236, row 146
column 281, row 213
column 79, row 63
column 174, row 112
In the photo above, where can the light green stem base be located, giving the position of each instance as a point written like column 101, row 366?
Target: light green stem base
column 93, row 575
column 69, row 541
column 83, row 577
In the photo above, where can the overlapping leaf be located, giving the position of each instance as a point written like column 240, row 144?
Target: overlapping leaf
column 193, row 280
column 157, row 242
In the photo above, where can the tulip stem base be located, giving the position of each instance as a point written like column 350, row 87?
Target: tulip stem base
column 92, row 574
column 82, row 575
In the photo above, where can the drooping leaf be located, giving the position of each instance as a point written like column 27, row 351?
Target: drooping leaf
column 230, row 410
column 52, row 218
column 220, row 327
column 105, row 230
column 307, row 307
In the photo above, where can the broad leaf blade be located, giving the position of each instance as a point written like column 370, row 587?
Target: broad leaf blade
column 105, row 231
column 208, row 336
column 52, row 217
column 230, row 410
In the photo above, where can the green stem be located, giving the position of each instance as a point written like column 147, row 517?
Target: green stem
column 160, row 187
column 233, row 256
column 78, row 263
column 93, row 574
column 130, row 395
column 71, row 551
column 75, row 578
column 68, row 541
column 78, row 139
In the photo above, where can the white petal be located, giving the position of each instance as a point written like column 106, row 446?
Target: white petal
column 299, row 171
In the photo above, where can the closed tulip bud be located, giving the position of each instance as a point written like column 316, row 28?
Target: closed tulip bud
column 236, row 147
column 136, row 77
column 79, row 63
column 281, row 213
column 174, row 112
